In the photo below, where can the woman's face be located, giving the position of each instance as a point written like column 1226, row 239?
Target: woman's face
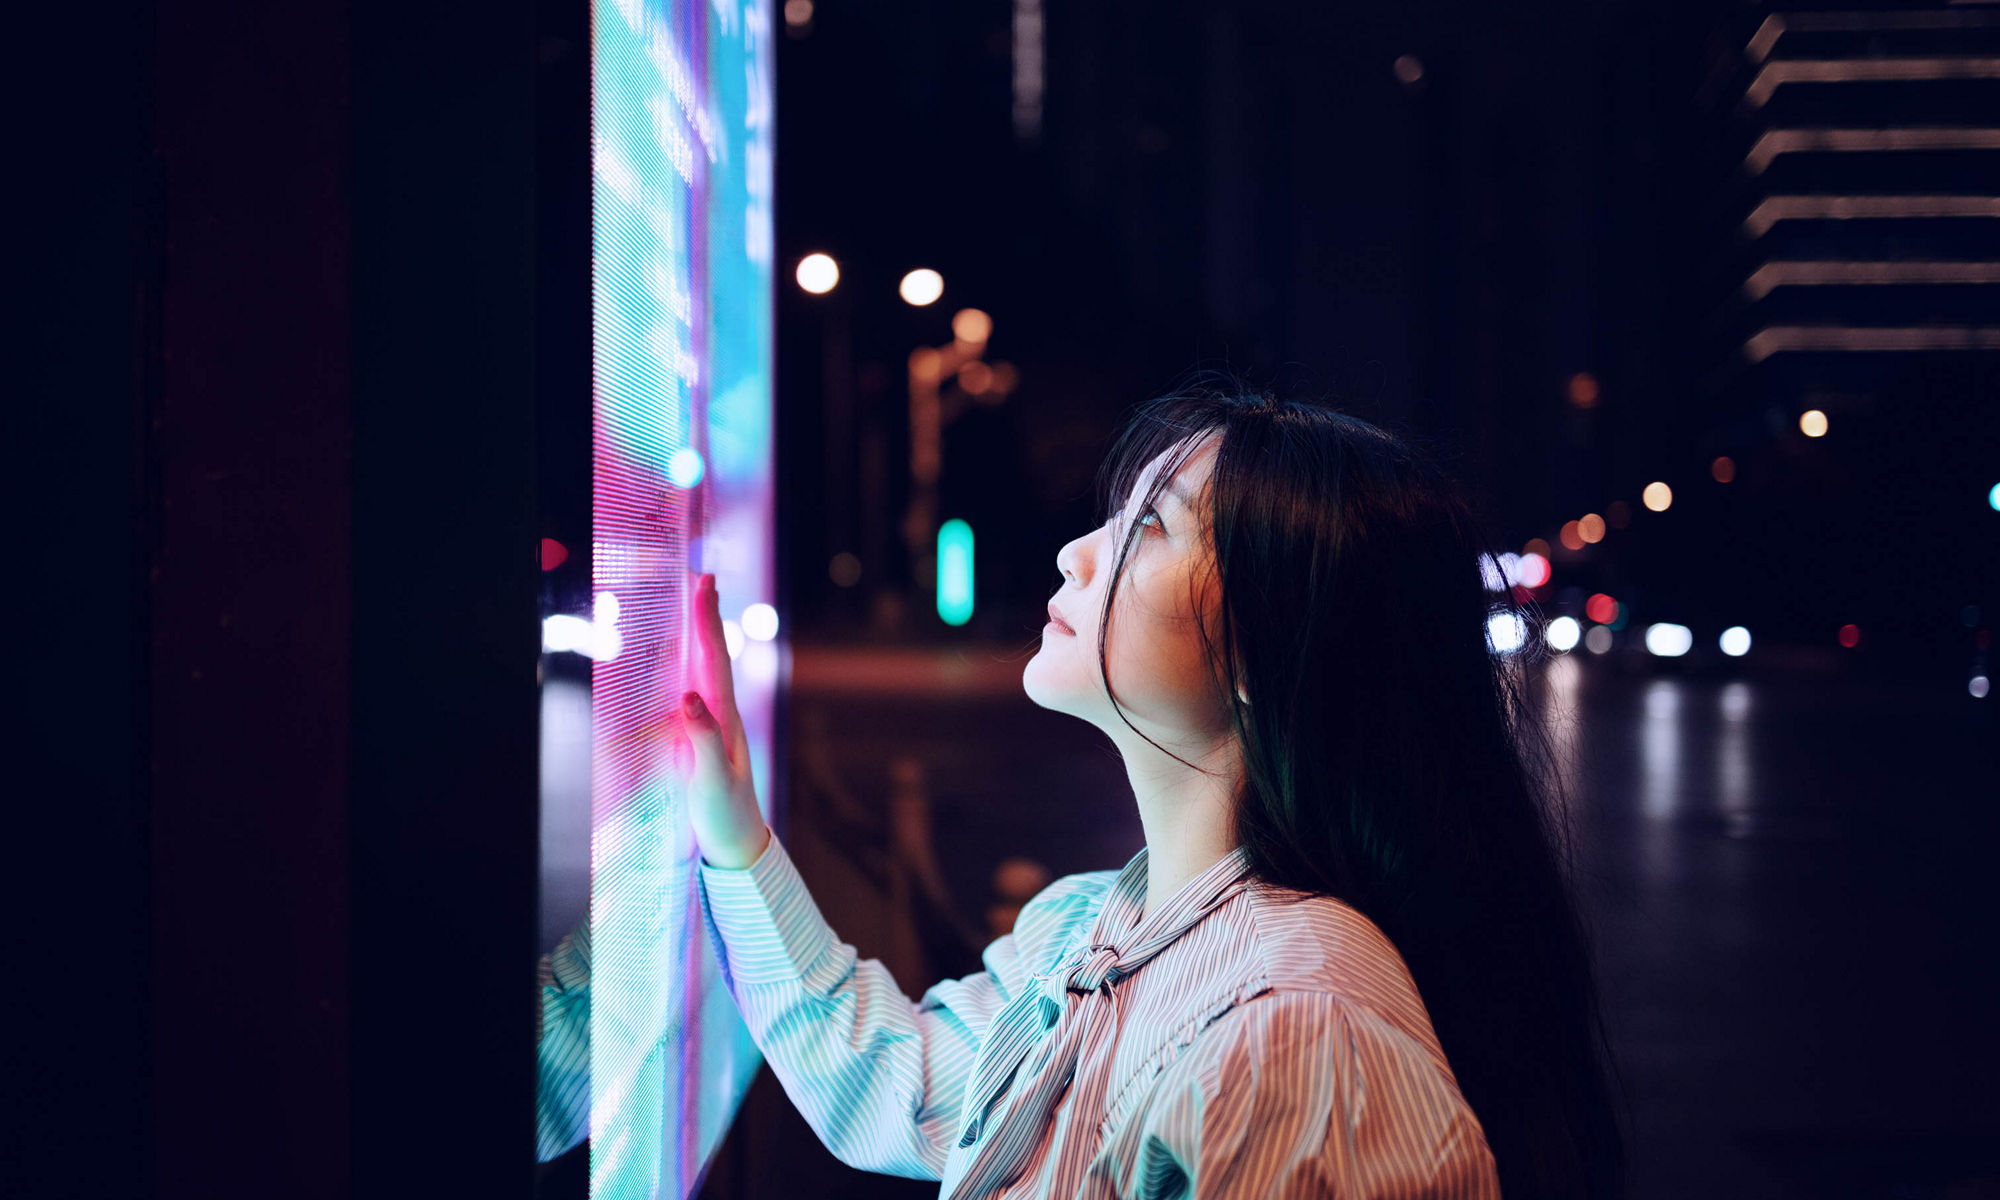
column 1155, row 654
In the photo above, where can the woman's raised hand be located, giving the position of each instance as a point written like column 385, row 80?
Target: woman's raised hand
column 722, row 799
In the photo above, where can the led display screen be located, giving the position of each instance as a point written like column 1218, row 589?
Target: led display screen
column 681, row 100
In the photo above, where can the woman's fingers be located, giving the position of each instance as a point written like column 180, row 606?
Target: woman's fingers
column 714, row 678
column 711, row 609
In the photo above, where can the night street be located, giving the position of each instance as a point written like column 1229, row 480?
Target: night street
column 1786, row 875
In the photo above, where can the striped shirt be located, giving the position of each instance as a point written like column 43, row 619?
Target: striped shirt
column 1242, row 1040
column 562, row 1045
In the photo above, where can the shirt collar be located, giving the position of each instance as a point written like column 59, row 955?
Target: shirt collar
column 1118, row 921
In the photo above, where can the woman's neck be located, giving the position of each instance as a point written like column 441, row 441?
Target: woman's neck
column 1187, row 815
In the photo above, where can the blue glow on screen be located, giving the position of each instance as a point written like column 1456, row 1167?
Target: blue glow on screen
column 681, row 228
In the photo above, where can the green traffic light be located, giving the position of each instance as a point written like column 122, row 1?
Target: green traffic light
column 954, row 572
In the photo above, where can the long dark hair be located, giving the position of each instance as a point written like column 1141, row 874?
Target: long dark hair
column 1390, row 758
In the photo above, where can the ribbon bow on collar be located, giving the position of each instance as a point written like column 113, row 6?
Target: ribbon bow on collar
column 1060, row 1007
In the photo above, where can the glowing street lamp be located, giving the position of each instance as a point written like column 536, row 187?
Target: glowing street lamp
column 818, row 273
column 921, row 286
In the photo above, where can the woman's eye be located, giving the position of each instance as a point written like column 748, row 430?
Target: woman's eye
column 1111, row 521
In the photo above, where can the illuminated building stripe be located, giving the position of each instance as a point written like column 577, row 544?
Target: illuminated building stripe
column 1776, row 25
column 1780, row 338
column 1778, row 72
column 1797, row 141
column 1799, row 273
column 1774, row 209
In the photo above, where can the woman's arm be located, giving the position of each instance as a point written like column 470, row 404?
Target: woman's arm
column 562, row 1033
column 880, row 1079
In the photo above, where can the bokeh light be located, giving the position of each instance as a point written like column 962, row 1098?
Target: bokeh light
column 1735, row 641
column 1590, row 527
column 1601, row 608
column 1569, row 537
column 1850, row 636
column 844, row 569
column 1812, row 423
column 1723, row 469
column 969, row 324
column 1657, row 496
column 685, row 468
column 1618, row 514
column 1506, row 632
column 1536, row 546
column 818, row 273
column 1583, row 390
column 760, row 622
column 1668, row 641
column 1979, row 686
column 1563, row 633
column 1598, row 640
column 921, row 286
column 1533, row 570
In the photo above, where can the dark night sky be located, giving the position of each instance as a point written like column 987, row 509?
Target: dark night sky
column 1251, row 185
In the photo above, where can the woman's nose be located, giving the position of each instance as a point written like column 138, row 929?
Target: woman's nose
column 1070, row 561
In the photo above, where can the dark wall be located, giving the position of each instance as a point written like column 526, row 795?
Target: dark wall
column 248, row 439
column 78, row 856
column 276, row 420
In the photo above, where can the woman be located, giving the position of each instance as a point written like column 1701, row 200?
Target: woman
column 1345, row 963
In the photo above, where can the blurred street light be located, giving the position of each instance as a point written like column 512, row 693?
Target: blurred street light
column 818, row 273
column 921, row 286
column 972, row 326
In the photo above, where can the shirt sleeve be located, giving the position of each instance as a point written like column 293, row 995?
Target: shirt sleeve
column 880, row 1079
column 562, row 1035
column 1306, row 1095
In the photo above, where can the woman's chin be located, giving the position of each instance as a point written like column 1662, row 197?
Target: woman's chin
column 1036, row 683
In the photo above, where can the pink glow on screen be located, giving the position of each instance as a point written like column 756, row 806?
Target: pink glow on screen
column 682, row 484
